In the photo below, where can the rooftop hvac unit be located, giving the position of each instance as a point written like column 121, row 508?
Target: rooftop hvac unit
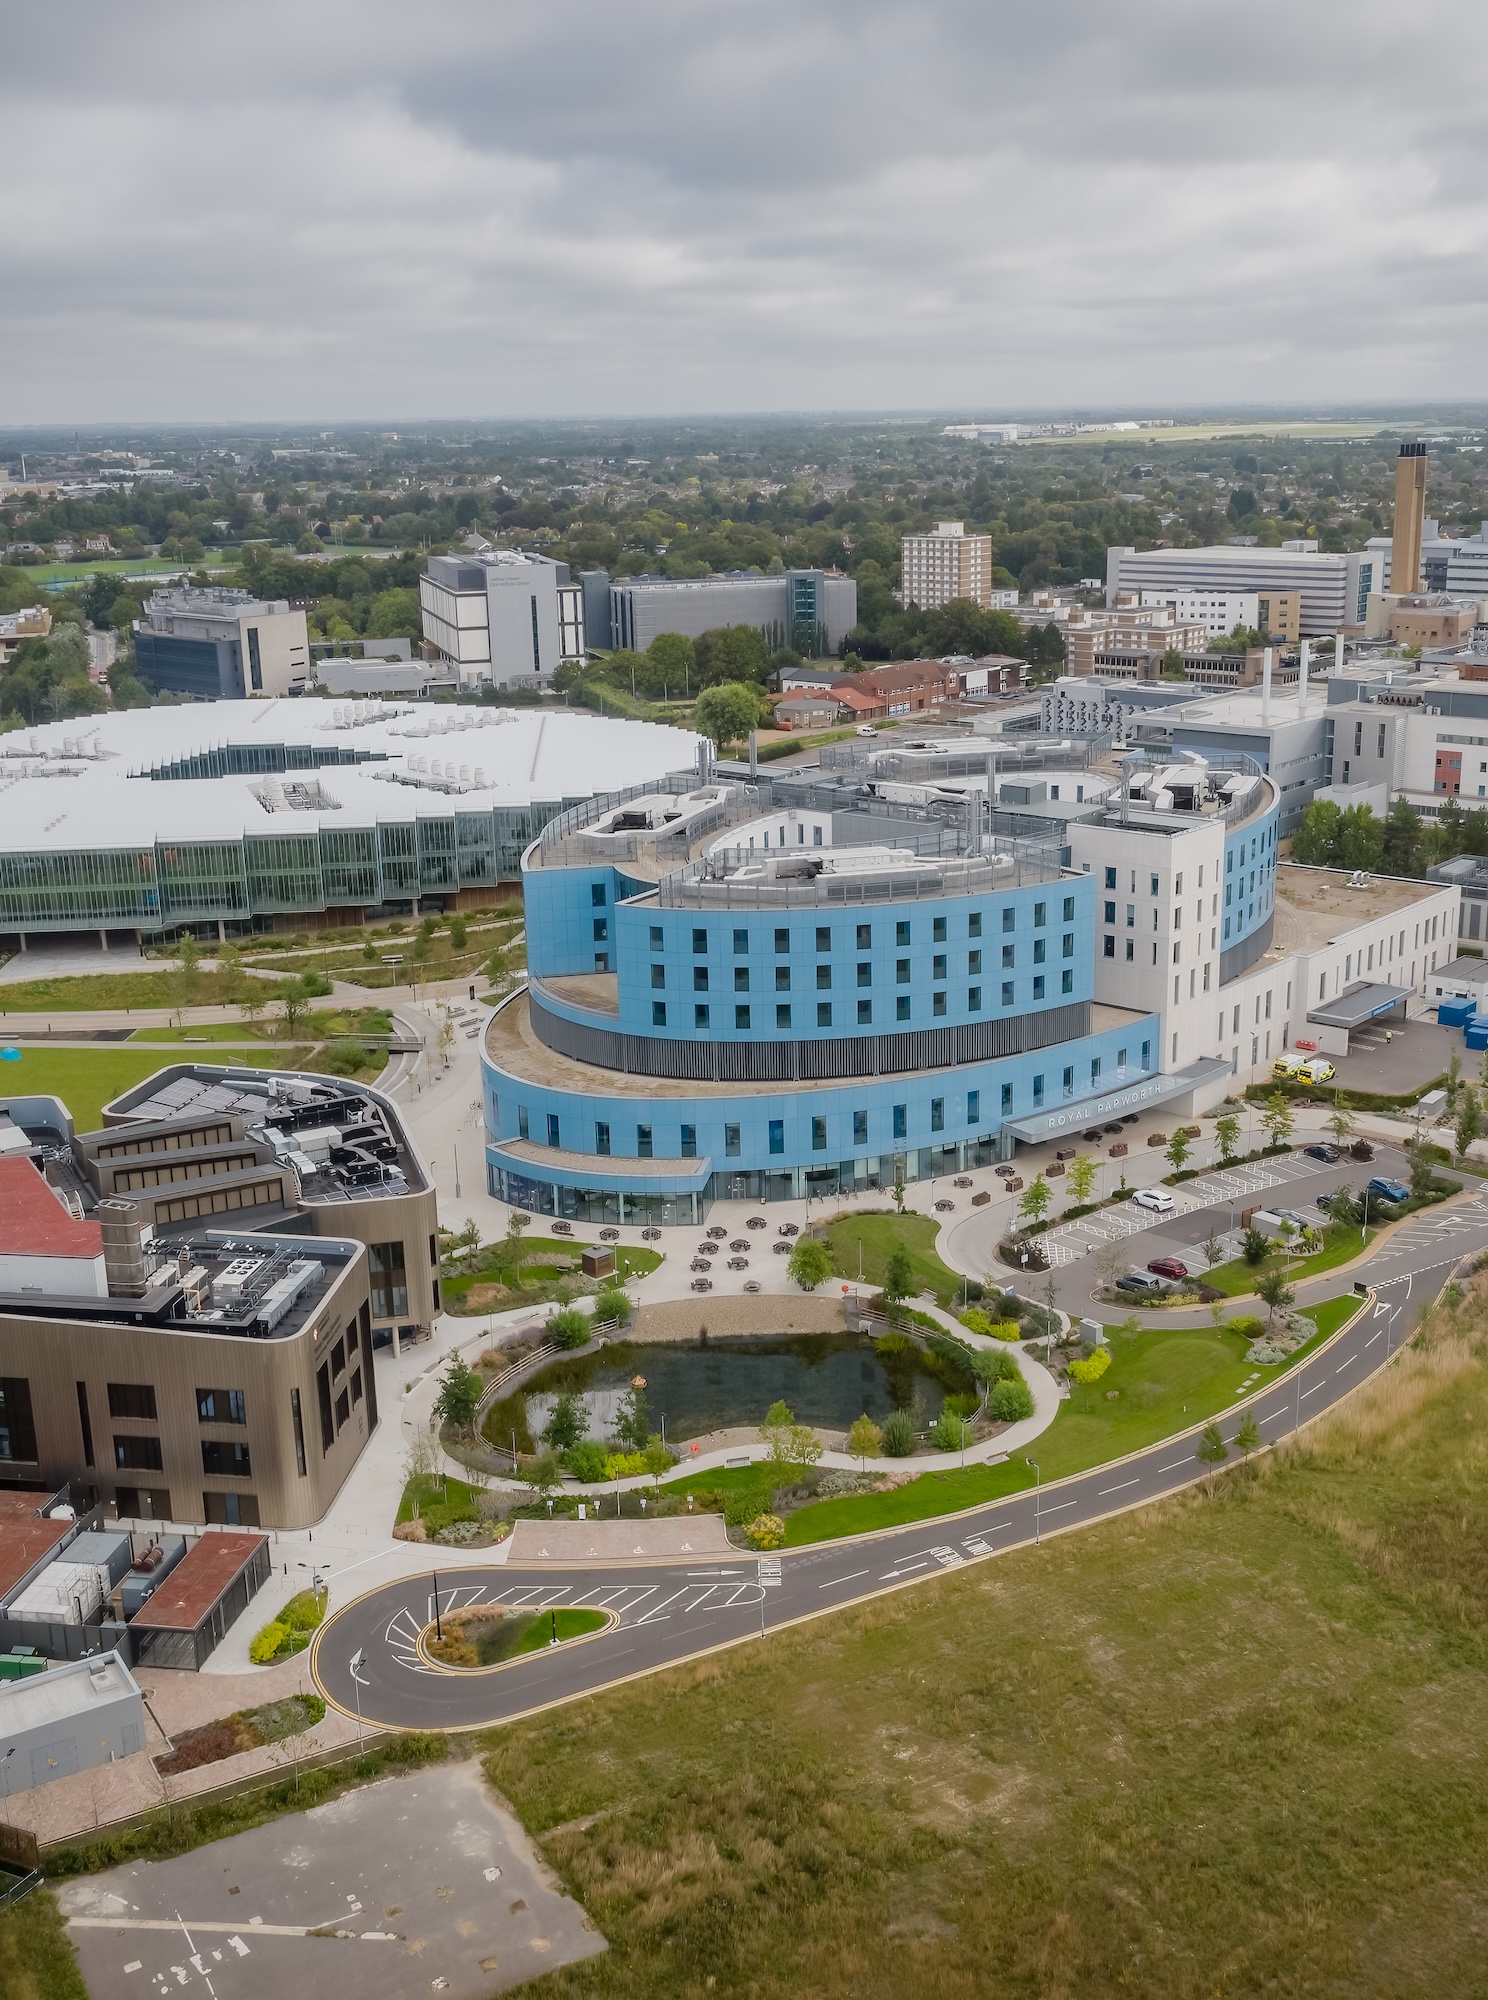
column 235, row 1278
column 278, row 1299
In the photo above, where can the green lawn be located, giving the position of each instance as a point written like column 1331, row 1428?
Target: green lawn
column 878, row 1235
column 545, row 1262
column 87, row 1079
column 1233, row 1744
column 570, row 1625
column 36, row 1955
column 79, row 572
column 1165, row 1379
column 438, row 1501
column 1341, row 1244
column 104, row 990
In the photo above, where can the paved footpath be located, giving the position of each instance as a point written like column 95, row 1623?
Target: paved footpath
column 666, row 1613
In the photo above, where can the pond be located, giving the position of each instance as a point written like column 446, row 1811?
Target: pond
column 827, row 1379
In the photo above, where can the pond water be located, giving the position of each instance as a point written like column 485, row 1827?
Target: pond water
column 699, row 1386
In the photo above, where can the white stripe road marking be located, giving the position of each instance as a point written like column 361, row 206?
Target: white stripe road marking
column 1117, row 1489
column 1310, row 1392
column 1374, row 1337
column 906, row 1571
column 842, row 1579
column 1177, row 1462
column 1345, row 1364
column 1060, row 1508
column 657, row 1609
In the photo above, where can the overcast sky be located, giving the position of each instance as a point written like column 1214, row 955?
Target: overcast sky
column 340, row 209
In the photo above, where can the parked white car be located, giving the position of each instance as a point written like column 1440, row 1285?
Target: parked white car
column 1156, row 1198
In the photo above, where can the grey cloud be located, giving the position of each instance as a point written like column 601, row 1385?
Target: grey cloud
column 342, row 210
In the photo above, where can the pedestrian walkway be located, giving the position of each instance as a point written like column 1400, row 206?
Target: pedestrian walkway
column 1073, row 1240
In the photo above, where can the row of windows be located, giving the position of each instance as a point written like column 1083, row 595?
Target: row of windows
column 213, row 1406
column 862, row 933
column 687, row 1140
column 903, row 967
column 702, row 1012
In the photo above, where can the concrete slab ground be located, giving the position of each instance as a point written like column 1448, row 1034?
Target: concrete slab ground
column 620, row 1541
column 1392, row 1057
column 74, row 961
column 418, row 1884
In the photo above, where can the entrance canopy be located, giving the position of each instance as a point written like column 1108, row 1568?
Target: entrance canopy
column 1140, row 1095
column 1358, row 1005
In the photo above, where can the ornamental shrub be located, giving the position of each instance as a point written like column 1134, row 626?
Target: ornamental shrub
column 976, row 1321
column 304, row 1611
column 1010, row 1401
column 1005, row 1329
column 898, row 1434
column 586, row 1461
column 1092, row 1368
column 766, row 1531
column 570, row 1328
column 267, row 1644
column 946, row 1432
column 992, row 1364
column 612, row 1304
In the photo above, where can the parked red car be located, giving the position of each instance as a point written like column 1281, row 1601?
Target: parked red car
column 1167, row 1267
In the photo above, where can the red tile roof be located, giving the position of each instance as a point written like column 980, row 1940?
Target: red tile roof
column 199, row 1579
column 33, row 1223
column 25, row 1535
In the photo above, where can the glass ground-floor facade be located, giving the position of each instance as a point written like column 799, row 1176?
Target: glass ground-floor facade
column 538, row 1195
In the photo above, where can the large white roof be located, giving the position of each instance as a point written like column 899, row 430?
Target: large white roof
column 80, row 784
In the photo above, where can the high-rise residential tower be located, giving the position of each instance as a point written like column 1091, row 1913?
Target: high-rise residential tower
column 948, row 564
column 1410, row 517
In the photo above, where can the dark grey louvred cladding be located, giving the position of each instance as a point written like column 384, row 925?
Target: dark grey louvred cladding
column 1240, row 957
column 814, row 1061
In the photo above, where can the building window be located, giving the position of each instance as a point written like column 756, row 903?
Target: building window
column 1131, row 950
column 132, row 1399
column 818, row 1135
column 643, row 1142
column 731, row 1141
column 782, row 941
column 937, row 1114
column 782, row 979
column 901, row 971
column 824, row 1013
column 865, row 937
column 901, row 932
column 1110, row 878
column 974, row 924
column 1007, row 1097
column 860, row 1128
column 1009, row 919
column 1040, row 917
column 938, row 1005
column 135, row 1454
column 1066, row 982
column 255, row 661
column 1040, row 948
column 700, row 944
column 1067, row 945
column 1109, row 949
column 389, row 1276
column 323, row 1398
column 700, row 1017
column 1038, row 1092
column 1009, row 953
column 824, row 979
column 973, row 999
column 777, row 1135
column 656, row 937
column 522, row 1131
column 1038, row 986
column 1069, row 909
column 901, row 1007
column 973, row 1106
column 597, row 895
column 689, row 1142
column 658, row 976
column 225, row 1461
column 658, row 1013
column 700, row 979
column 823, row 937
column 84, row 1420
column 17, row 1425
column 865, row 972
column 741, row 943
column 221, row 1406
column 973, row 962
column 601, row 930
column 938, row 931
column 601, row 1137
column 782, row 1017
column 1110, row 916
column 938, row 966
column 901, row 1121
column 741, row 1018
column 741, row 978
column 865, row 1013
column 297, row 1419
column 1069, row 1081
column 552, row 1128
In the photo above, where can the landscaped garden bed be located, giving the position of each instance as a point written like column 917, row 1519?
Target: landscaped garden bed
column 486, row 1635
column 246, row 1729
column 291, row 1630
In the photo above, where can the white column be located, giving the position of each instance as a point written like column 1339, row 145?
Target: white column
column 1266, row 686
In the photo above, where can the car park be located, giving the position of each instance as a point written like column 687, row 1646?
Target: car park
column 1168, row 1267
column 1387, row 1190
column 1157, row 1199
column 1326, row 1153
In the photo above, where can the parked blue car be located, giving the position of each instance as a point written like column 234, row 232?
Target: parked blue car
column 1388, row 1190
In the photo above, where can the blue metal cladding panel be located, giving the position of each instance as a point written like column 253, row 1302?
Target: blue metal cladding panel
column 953, row 960
column 1249, row 896
column 970, row 1101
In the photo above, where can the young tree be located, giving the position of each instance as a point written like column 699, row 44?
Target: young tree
column 292, row 1006
column 458, row 933
column 865, row 1439
column 1469, row 1123
column 1177, row 1150
column 1343, row 1206
column 459, row 1395
column 1033, row 1203
column 632, row 1419
column 543, row 1474
column 898, row 1277
column 793, row 1447
column 810, row 1262
column 1080, row 1179
column 899, row 1185
column 1227, row 1132
column 1212, row 1447
column 1422, row 1166
column 1341, row 1121
column 251, row 1005
column 1248, row 1437
column 568, row 1421
column 1277, row 1120
column 188, row 970
column 446, row 1035
column 230, row 965
column 498, row 969
column 1255, row 1246
column 1212, row 1247
column 1274, row 1293
column 1454, row 1081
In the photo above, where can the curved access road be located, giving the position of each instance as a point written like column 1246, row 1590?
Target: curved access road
column 366, row 1661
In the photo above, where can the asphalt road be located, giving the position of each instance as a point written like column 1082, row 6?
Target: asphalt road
column 668, row 1613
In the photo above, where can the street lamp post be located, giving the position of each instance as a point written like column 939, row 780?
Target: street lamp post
column 1038, row 1484
column 5, row 1776
column 438, row 1628
column 358, row 1659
